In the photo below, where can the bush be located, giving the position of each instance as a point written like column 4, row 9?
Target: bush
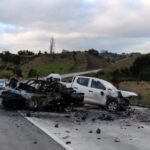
column 6, row 74
column 141, row 68
column 32, row 73
column 145, row 74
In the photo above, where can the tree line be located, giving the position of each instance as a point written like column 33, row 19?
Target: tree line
column 140, row 70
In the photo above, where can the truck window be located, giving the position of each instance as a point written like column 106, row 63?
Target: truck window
column 97, row 85
column 83, row 81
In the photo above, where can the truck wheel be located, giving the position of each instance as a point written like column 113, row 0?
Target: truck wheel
column 68, row 108
column 32, row 104
column 112, row 106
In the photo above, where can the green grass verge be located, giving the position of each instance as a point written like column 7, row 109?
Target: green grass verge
column 140, row 87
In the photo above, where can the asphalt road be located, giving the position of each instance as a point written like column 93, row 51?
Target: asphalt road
column 16, row 133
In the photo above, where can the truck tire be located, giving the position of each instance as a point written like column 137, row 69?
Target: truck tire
column 112, row 106
column 68, row 108
column 32, row 104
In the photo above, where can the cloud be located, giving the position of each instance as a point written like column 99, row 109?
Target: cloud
column 76, row 24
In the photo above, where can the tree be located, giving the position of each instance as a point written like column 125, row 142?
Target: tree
column 25, row 52
column 52, row 44
column 39, row 53
column 45, row 52
column 141, row 67
column 32, row 73
column 93, row 52
column 115, row 78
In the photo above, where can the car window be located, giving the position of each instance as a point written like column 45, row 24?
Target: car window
column 83, row 81
column 97, row 85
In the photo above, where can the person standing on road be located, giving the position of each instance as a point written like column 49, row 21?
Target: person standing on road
column 13, row 82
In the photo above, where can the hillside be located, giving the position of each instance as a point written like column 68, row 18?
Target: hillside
column 42, row 64
column 64, row 63
column 123, row 63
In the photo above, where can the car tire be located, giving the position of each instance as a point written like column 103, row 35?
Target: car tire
column 112, row 106
column 68, row 108
column 32, row 104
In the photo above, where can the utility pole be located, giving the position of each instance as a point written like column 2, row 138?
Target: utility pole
column 52, row 44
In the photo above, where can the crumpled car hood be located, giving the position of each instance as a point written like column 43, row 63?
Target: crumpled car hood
column 125, row 94
column 128, row 93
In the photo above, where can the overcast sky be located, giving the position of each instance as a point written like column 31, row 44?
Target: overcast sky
column 114, row 25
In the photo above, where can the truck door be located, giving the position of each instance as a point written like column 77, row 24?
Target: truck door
column 81, row 84
column 97, row 92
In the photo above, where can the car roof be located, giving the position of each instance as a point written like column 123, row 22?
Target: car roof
column 104, row 82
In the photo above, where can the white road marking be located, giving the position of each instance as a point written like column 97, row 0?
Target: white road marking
column 46, row 130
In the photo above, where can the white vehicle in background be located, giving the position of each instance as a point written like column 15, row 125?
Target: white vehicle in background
column 54, row 76
column 3, row 84
column 101, row 92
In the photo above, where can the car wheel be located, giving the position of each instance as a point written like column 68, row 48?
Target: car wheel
column 32, row 104
column 68, row 108
column 112, row 106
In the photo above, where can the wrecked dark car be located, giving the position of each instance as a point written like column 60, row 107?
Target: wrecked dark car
column 40, row 95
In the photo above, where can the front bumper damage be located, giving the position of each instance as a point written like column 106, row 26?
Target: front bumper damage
column 122, row 98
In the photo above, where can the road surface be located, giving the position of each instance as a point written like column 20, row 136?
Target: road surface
column 16, row 133
column 117, row 131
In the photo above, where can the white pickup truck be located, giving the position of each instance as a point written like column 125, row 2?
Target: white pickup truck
column 101, row 92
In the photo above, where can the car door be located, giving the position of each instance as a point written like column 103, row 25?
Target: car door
column 97, row 92
column 81, row 84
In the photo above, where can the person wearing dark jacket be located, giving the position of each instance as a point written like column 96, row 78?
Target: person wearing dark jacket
column 13, row 82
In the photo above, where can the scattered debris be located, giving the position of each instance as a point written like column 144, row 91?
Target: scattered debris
column 65, row 137
column 57, row 125
column 116, row 140
column 68, row 142
column 67, row 131
column 28, row 114
column 90, row 131
column 98, row 131
column 83, row 118
column 93, row 119
column 35, row 142
column 128, row 124
column 105, row 117
column 78, row 120
column 140, row 127
column 67, row 116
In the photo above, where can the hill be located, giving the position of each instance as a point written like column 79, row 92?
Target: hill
column 64, row 63
column 126, row 62
column 28, row 64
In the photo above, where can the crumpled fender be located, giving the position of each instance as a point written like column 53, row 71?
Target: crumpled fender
column 128, row 94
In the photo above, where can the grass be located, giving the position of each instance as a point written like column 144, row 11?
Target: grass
column 46, row 65
column 123, row 63
column 61, row 63
column 142, row 88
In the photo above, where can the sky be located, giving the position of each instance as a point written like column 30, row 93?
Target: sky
column 120, row 26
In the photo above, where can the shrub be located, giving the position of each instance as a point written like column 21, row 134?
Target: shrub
column 32, row 73
column 6, row 74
